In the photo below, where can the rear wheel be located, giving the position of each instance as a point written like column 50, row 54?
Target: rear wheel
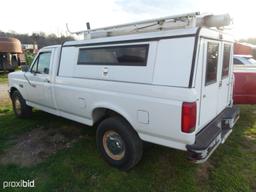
column 20, row 108
column 118, row 143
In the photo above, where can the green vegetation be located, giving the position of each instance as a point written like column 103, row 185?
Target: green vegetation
column 80, row 167
column 249, row 40
column 3, row 79
column 29, row 57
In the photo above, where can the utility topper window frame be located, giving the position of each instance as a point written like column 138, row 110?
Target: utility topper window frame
column 113, row 51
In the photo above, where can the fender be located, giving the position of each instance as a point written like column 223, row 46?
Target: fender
column 114, row 108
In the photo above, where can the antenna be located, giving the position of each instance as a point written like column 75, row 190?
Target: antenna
column 88, row 26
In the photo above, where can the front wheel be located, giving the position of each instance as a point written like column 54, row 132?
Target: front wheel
column 118, row 143
column 20, row 108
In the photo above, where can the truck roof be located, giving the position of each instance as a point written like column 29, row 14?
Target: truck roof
column 51, row 46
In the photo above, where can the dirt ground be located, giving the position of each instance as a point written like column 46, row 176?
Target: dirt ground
column 37, row 145
column 4, row 97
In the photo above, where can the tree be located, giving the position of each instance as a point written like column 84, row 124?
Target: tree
column 41, row 39
column 249, row 40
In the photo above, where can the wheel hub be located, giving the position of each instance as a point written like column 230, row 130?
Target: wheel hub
column 113, row 145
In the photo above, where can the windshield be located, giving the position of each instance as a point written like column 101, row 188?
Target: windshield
column 251, row 60
column 244, row 60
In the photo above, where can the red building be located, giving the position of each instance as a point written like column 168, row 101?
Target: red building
column 244, row 49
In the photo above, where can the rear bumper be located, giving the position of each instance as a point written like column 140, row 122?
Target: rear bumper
column 212, row 135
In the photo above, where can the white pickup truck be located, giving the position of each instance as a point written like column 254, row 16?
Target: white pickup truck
column 170, row 85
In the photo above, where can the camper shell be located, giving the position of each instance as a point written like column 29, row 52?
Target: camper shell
column 168, row 87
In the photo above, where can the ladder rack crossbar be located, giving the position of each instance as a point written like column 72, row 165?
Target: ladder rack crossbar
column 160, row 20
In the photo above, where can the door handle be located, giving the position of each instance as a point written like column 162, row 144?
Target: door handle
column 204, row 95
column 105, row 71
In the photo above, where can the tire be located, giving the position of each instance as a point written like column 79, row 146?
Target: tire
column 118, row 143
column 20, row 108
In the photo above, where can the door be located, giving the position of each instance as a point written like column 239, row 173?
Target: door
column 224, row 76
column 210, row 82
column 40, row 91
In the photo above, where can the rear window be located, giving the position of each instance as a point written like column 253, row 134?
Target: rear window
column 212, row 63
column 132, row 55
column 226, row 61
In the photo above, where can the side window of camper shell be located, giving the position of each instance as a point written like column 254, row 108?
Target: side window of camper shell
column 128, row 55
column 212, row 63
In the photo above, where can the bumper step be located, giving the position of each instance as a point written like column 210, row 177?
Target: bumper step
column 215, row 133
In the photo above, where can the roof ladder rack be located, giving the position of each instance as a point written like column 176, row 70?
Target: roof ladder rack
column 188, row 20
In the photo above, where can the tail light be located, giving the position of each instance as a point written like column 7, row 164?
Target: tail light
column 188, row 117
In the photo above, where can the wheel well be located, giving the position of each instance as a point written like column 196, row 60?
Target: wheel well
column 12, row 90
column 99, row 114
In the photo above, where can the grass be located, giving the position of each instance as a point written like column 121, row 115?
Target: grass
column 3, row 78
column 231, row 168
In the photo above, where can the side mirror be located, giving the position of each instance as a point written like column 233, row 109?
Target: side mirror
column 46, row 71
column 24, row 68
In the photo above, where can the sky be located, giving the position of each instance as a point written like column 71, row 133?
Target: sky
column 51, row 16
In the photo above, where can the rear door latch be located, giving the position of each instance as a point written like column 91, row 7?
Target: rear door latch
column 220, row 83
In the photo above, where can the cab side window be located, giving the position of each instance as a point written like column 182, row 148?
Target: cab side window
column 42, row 63
column 34, row 67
